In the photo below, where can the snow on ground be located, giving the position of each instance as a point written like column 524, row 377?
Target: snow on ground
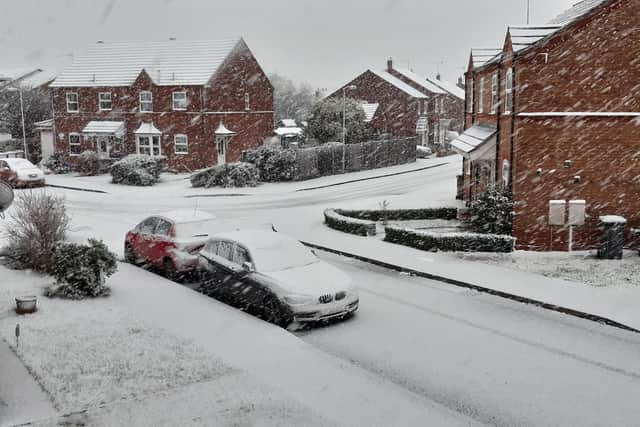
column 581, row 267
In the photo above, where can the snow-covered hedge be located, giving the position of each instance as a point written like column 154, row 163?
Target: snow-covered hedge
column 334, row 219
column 58, row 163
column 80, row 270
column 228, row 175
column 449, row 242
column 138, row 169
column 89, row 163
column 274, row 164
column 401, row 214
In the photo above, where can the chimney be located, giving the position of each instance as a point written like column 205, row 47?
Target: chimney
column 461, row 83
column 438, row 76
column 99, row 42
column 389, row 64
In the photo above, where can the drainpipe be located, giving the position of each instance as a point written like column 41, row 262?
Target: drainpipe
column 498, row 127
column 513, row 123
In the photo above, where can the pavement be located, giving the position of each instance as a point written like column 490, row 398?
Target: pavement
column 21, row 397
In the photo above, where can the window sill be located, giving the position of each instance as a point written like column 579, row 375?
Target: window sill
column 180, row 154
column 179, row 109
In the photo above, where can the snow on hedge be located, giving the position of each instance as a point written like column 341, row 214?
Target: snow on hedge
column 449, row 242
column 334, row 219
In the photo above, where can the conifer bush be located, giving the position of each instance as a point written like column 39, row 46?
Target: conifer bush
column 138, row 169
column 492, row 213
column 228, row 175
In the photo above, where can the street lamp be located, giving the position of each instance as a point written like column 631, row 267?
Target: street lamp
column 24, row 135
column 344, row 110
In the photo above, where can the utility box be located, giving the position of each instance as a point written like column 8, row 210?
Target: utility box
column 611, row 237
column 557, row 210
column 577, row 212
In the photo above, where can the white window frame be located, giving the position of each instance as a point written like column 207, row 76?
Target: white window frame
column 494, row 93
column 472, row 95
column 173, row 99
column 247, row 102
column 100, row 101
column 76, row 102
column 443, row 132
column 184, row 144
column 78, row 144
column 149, row 145
column 505, row 178
column 508, row 91
column 145, row 102
column 481, row 95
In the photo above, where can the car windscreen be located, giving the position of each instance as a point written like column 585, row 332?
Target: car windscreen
column 186, row 230
column 282, row 255
column 20, row 164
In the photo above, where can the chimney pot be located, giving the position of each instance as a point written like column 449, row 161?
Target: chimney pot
column 389, row 64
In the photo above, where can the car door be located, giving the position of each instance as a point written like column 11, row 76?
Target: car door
column 251, row 290
column 6, row 174
column 160, row 243
column 143, row 237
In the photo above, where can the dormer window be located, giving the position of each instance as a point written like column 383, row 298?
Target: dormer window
column 247, row 102
column 104, row 101
column 146, row 101
column 73, row 105
column 179, row 101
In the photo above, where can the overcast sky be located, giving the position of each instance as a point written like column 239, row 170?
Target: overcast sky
column 323, row 42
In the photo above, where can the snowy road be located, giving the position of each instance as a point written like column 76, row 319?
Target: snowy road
column 497, row 361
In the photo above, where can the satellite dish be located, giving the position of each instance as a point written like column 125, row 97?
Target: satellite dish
column 6, row 196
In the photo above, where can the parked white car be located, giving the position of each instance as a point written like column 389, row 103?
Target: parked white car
column 275, row 277
column 19, row 172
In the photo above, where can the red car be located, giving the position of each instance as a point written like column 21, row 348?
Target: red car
column 19, row 172
column 170, row 241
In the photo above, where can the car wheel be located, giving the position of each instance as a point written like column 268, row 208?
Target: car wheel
column 274, row 312
column 170, row 270
column 129, row 255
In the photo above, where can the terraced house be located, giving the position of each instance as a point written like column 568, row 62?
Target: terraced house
column 554, row 115
column 199, row 103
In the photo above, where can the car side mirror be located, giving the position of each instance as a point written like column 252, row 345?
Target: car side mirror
column 247, row 267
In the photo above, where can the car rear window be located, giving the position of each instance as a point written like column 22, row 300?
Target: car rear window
column 195, row 229
column 283, row 255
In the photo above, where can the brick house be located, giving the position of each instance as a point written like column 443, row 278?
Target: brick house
column 199, row 103
column 554, row 115
column 401, row 103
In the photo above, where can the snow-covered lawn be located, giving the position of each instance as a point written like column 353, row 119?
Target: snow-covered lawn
column 582, row 267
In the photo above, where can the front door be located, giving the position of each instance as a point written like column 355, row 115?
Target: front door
column 103, row 148
column 221, row 146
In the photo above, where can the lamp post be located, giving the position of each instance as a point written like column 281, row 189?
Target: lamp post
column 24, row 134
column 344, row 111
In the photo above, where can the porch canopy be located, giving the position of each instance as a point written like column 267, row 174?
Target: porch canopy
column 147, row 129
column 102, row 127
column 476, row 142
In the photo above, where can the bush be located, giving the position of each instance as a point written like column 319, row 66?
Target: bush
column 335, row 220
column 37, row 222
column 449, row 242
column 80, row 270
column 274, row 164
column 228, row 175
column 492, row 213
column 136, row 169
column 401, row 214
column 88, row 163
column 58, row 163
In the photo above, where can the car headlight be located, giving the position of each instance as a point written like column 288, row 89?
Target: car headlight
column 294, row 299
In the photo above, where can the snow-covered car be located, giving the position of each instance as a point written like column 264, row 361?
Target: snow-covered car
column 19, row 172
column 423, row 152
column 170, row 241
column 276, row 277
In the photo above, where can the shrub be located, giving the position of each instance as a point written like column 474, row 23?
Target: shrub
column 401, row 214
column 274, row 164
column 335, row 220
column 136, row 169
column 80, row 270
column 58, row 163
column 228, row 175
column 449, row 242
column 492, row 213
column 88, row 163
column 37, row 222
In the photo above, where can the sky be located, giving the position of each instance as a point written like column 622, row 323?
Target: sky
column 322, row 42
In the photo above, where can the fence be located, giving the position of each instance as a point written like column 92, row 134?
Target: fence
column 336, row 159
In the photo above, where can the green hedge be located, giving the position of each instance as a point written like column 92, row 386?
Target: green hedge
column 401, row 214
column 449, row 242
column 335, row 220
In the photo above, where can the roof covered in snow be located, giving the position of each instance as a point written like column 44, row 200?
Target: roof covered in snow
column 576, row 11
column 524, row 36
column 36, row 77
column 105, row 127
column 421, row 80
column 369, row 111
column 450, row 88
column 222, row 130
column 171, row 62
column 288, row 131
column 288, row 123
column 147, row 128
column 482, row 56
column 399, row 84
column 473, row 138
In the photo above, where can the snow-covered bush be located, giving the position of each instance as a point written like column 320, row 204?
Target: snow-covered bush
column 88, row 163
column 80, row 270
column 423, row 152
column 274, row 164
column 37, row 222
column 227, row 175
column 58, row 163
column 449, row 242
column 492, row 213
column 402, row 214
column 138, row 169
column 334, row 219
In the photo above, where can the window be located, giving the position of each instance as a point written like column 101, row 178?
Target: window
column 179, row 101
column 73, row 106
column 442, row 104
column 163, row 228
column 443, row 131
column 241, row 255
column 181, row 143
column 436, row 133
column 104, row 101
column 146, row 101
column 74, row 144
column 147, row 226
column 505, row 174
column 494, row 92
column 508, row 84
column 225, row 250
column 471, row 95
column 481, row 96
column 247, row 103
column 149, row 145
